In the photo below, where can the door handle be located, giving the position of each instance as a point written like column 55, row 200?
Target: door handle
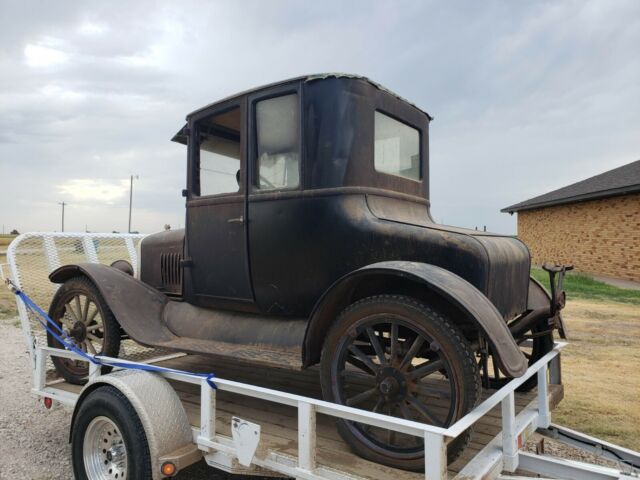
column 240, row 219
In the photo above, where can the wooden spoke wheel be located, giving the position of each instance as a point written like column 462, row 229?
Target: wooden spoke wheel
column 79, row 309
column 395, row 356
column 534, row 344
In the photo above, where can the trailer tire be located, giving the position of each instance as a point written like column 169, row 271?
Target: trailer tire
column 106, row 412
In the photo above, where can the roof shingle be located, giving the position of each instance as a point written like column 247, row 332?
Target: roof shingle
column 619, row 181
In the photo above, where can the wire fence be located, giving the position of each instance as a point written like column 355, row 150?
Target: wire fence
column 33, row 256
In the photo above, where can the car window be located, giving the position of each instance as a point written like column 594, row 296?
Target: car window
column 219, row 159
column 277, row 134
column 397, row 148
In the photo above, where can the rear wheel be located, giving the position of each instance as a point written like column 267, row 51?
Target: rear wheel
column 396, row 356
column 79, row 309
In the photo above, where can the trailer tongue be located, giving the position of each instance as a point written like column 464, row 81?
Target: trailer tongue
column 263, row 420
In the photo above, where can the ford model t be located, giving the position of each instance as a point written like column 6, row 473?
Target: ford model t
column 309, row 241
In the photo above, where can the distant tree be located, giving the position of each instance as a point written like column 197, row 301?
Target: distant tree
column 115, row 232
column 167, row 226
column 15, row 232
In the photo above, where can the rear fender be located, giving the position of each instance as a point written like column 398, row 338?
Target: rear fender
column 453, row 289
column 137, row 306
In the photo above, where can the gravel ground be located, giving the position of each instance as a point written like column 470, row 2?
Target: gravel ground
column 35, row 441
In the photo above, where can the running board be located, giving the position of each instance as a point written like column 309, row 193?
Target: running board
column 264, row 355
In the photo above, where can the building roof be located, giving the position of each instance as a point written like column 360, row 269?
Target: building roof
column 619, row 181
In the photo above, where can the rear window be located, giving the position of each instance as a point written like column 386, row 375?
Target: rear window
column 397, row 148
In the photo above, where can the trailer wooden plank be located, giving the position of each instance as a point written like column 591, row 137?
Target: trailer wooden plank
column 279, row 422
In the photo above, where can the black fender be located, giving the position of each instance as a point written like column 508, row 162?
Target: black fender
column 454, row 289
column 137, row 306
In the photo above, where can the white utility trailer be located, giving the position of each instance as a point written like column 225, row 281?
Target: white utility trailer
column 272, row 422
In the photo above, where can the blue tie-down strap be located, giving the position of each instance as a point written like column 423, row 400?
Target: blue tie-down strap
column 58, row 333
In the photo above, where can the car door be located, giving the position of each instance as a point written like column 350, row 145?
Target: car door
column 276, row 208
column 216, row 207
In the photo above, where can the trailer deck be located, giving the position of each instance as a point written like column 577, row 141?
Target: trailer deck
column 279, row 423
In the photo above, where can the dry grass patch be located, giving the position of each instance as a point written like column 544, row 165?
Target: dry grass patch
column 601, row 371
column 7, row 300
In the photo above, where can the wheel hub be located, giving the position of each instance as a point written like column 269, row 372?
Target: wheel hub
column 78, row 331
column 392, row 384
column 104, row 452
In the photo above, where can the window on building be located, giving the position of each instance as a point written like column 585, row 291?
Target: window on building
column 397, row 148
column 219, row 159
column 277, row 141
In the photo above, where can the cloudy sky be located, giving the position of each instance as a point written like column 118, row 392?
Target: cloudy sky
column 527, row 96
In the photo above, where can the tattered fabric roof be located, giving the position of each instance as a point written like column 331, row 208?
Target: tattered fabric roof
column 619, row 181
column 311, row 78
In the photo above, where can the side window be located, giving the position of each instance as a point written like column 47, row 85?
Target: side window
column 397, row 148
column 277, row 141
column 219, row 158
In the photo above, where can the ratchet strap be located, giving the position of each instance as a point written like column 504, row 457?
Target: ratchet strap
column 63, row 338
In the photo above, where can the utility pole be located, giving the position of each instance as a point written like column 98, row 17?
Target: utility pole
column 131, row 199
column 63, row 205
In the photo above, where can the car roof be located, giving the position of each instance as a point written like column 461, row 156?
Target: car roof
column 180, row 136
column 309, row 78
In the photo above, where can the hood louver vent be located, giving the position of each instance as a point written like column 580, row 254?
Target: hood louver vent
column 171, row 273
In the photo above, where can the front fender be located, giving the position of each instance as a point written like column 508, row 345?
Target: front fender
column 452, row 288
column 137, row 306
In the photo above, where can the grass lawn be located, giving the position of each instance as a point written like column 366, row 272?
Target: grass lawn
column 601, row 371
column 582, row 286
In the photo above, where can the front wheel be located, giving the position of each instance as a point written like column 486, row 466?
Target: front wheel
column 80, row 311
column 396, row 356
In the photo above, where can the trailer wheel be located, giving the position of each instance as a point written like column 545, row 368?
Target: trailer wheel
column 108, row 440
column 79, row 309
column 396, row 356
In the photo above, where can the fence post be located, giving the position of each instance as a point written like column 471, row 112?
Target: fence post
column 133, row 254
column 435, row 456
column 509, row 434
column 306, row 436
column 555, row 370
column 90, row 249
column 40, row 374
column 544, row 413
column 51, row 252
column 207, row 411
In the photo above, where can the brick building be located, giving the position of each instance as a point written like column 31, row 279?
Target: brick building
column 593, row 224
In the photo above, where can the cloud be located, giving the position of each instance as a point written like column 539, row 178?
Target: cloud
column 43, row 56
column 89, row 189
column 526, row 97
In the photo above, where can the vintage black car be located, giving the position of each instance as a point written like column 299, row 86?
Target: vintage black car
column 309, row 240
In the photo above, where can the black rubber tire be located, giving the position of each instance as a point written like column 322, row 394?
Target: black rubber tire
column 111, row 330
column 434, row 324
column 109, row 402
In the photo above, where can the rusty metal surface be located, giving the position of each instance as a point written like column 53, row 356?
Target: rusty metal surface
column 145, row 314
column 456, row 290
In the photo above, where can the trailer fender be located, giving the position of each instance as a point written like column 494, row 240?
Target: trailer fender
column 160, row 410
column 455, row 290
column 138, row 307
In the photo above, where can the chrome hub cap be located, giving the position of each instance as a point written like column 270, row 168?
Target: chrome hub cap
column 104, row 451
